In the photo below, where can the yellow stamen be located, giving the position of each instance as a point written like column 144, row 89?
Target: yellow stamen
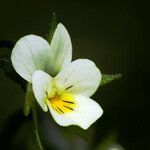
column 63, row 103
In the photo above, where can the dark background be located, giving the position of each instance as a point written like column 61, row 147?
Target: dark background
column 115, row 35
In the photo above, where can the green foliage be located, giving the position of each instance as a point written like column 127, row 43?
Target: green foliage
column 106, row 78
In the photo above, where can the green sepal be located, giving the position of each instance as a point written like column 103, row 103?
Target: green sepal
column 106, row 78
column 53, row 25
column 29, row 98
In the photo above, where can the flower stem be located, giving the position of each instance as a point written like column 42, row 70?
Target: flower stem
column 34, row 112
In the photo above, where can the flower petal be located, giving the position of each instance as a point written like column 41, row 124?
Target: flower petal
column 30, row 53
column 80, row 77
column 41, row 82
column 61, row 54
column 84, row 114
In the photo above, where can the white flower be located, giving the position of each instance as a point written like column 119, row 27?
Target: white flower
column 59, row 84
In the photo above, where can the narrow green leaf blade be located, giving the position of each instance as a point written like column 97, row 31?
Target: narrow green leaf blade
column 106, row 78
column 6, row 66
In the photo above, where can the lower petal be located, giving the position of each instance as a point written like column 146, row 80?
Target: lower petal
column 77, row 110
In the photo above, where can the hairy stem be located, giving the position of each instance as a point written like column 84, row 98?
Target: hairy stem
column 34, row 111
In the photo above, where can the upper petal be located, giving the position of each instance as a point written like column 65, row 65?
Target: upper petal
column 30, row 53
column 80, row 77
column 85, row 112
column 61, row 54
column 41, row 83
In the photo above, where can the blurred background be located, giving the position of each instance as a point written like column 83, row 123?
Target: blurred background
column 115, row 35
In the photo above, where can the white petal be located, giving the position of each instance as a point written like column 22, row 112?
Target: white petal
column 84, row 114
column 30, row 53
column 61, row 49
column 41, row 82
column 80, row 77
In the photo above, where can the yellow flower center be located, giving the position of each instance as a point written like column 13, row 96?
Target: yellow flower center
column 61, row 101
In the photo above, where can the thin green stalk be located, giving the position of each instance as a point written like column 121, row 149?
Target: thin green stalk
column 34, row 112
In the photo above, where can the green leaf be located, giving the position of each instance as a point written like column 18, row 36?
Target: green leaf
column 109, row 78
column 53, row 25
column 6, row 66
column 28, row 100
